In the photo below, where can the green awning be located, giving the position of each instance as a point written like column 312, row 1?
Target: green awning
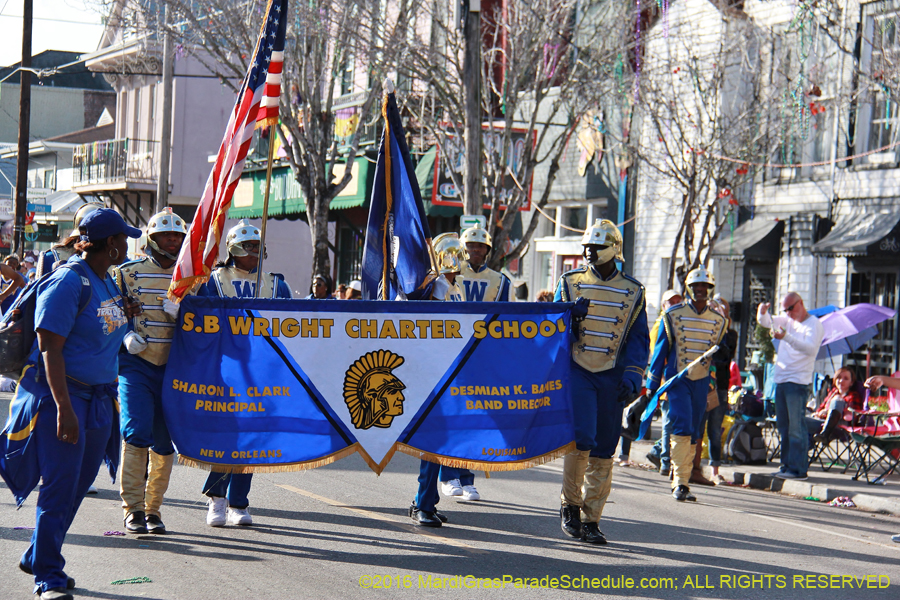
column 425, row 177
column 285, row 196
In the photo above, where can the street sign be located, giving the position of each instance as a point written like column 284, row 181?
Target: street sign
column 38, row 208
column 37, row 193
column 466, row 221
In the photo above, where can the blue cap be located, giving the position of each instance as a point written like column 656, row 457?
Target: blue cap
column 103, row 223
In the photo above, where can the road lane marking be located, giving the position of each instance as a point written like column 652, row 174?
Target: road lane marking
column 380, row 517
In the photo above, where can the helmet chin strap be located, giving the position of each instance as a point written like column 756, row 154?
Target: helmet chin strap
column 156, row 248
column 605, row 255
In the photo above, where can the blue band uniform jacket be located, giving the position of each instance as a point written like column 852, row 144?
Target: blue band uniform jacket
column 605, row 335
column 484, row 285
column 688, row 334
column 147, row 282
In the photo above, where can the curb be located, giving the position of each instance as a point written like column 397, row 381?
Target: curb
column 759, row 481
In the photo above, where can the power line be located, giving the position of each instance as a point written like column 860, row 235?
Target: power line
column 53, row 20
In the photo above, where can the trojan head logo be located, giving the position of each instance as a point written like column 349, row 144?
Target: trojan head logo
column 374, row 395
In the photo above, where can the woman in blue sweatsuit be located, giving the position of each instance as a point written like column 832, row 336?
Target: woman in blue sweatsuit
column 64, row 408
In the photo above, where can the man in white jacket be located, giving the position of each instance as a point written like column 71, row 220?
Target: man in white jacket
column 801, row 336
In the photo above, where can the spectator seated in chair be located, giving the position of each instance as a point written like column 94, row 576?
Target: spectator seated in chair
column 837, row 408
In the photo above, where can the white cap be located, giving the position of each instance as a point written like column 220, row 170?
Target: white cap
column 356, row 284
column 669, row 295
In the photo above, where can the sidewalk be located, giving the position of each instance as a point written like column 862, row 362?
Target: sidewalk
column 826, row 486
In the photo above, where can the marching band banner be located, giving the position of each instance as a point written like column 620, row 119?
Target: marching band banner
column 280, row 385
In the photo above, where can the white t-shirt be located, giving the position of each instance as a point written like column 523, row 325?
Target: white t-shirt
column 796, row 356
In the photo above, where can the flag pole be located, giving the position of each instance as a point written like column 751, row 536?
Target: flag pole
column 265, row 215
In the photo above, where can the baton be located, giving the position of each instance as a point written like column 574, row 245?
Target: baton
column 654, row 402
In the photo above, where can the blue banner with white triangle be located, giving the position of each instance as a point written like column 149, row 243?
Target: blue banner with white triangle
column 279, row 385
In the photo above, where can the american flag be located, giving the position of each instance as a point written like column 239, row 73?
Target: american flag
column 256, row 106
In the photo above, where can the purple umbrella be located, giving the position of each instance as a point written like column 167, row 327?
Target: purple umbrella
column 849, row 328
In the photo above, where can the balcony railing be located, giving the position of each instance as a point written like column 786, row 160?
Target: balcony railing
column 116, row 162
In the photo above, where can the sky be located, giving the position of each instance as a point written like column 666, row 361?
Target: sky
column 58, row 25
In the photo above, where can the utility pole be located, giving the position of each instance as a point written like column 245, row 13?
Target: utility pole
column 165, row 142
column 472, row 78
column 24, row 130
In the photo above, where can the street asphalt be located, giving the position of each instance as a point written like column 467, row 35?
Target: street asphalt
column 339, row 531
column 342, row 532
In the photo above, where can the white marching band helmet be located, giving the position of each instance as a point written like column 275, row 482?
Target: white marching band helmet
column 166, row 220
column 699, row 275
column 244, row 231
column 476, row 233
column 162, row 222
column 604, row 233
column 83, row 211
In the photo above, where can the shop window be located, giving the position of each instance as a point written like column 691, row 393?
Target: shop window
column 545, row 271
column 573, row 221
column 350, row 255
column 876, row 287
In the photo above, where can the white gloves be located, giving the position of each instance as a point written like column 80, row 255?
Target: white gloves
column 171, row 308
column 134, row 343
column 441, row 288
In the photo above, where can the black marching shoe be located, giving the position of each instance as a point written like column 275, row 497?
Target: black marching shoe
column 70, row 581
column 570, row 520
column 441, row 516
column 136, row 522
column 590, row 533
column 56, row 594
column 424, row 518
column 155, row 524
column 682, row 493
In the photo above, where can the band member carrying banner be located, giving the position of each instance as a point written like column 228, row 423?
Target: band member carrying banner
column 609, row 356
column 227, row 492
column 480, row 284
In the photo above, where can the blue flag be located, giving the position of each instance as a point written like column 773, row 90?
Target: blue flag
column 398, row 261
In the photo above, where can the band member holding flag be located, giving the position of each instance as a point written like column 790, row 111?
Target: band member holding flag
column 147, row 451
column 450, row 257
column 692, row 328
column 236, row 278
column 608, row 356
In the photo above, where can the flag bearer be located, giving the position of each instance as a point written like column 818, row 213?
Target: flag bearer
column 609, row 356
column 691, row 328
column 236, row 278
column 450, row 256
column 147, row 451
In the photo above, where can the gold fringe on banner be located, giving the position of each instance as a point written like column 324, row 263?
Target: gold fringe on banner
column 513, row 465
column 282, row 468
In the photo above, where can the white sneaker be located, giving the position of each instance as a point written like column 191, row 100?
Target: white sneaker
column 93, row 490
column 239, row 516
column 215, row 517
column 470, row 493
column 451, row 488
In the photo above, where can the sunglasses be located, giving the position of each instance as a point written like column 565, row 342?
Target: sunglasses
column 791, row 307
